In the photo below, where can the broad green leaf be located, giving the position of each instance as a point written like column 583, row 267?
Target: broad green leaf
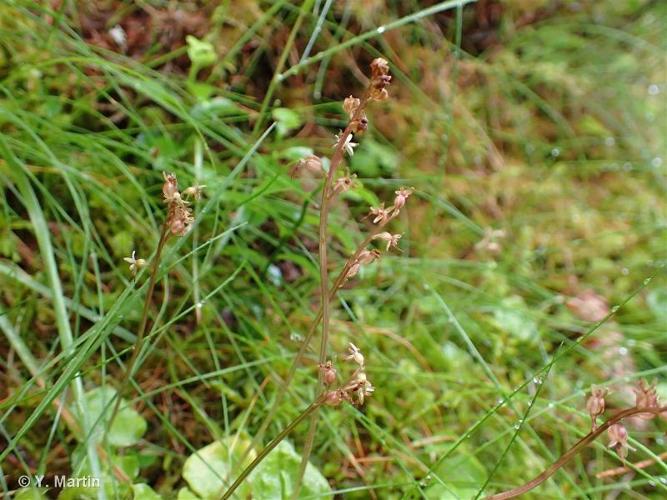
column 286, row 120
column 510, row 316
column 206, row 469
column 462, row 476
column 144, row 492
column 277, row 475
column 128, row 426
column 186, row 494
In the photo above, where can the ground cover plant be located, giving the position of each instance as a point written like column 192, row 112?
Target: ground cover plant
column 483, row 181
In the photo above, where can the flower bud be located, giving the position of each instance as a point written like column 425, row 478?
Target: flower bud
column 596, row 404
column 618, row 438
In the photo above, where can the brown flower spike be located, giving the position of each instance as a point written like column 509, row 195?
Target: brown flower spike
column 179, row 216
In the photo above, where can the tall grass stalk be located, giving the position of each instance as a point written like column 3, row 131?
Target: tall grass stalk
column 42, row 232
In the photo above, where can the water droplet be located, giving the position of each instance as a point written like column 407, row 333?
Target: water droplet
column 627, row 166
column 615, row 308
column 652, row 484
column 199, row 304
column 653, row 89
column 663, row 480
column 625, row 271
column 500, row 401
column 295, row 337
column 647, row 281
column 517, row 426
column 660, row 440
column 551, row 405
column 381, row 29
column 537, row 380
column 623, row 351
column 609, row 141
column 656, row 162
column 555, row 152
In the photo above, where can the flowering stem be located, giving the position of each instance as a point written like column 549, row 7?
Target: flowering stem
column 338, row 283
column 324, row 274
column 269, row 447
column 569, row 454
column 139, row 344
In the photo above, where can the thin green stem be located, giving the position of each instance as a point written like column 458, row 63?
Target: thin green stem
column 269, row 447
column 141, row 333
column 293, row 70
column 277, row 78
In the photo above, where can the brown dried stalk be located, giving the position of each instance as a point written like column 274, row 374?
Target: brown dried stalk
column 570, row 454
column 617, row 471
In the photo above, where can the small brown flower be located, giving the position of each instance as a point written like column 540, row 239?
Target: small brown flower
column 646, row 397
column 351, row 105
column 170, row 187
column 135, row 264
column 365, row 257
column 348, row 146
column 354, row 354
column 343, row 184
column 380, row 79
column 618, row 438
column 311, row 165
column 328, row 373
column 596, row 404
column 380, row 214
column 335, row 398
column 194, row 191
column 391, row 239
column 402, row 196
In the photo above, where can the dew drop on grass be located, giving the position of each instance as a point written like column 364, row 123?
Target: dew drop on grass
column 656, row 162
column 555, row 152
column 551, row 405
column 653, row 89
column 647, row 281
column 663, row 480
column 609, row 141
column 625, row 271
column 615, row 308
column 537, row 380
column 381, row 29
column 623, row 351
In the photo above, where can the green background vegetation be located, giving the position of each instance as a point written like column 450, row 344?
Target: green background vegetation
column 542, row 121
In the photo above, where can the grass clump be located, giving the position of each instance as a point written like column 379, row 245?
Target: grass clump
column 531, row 264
